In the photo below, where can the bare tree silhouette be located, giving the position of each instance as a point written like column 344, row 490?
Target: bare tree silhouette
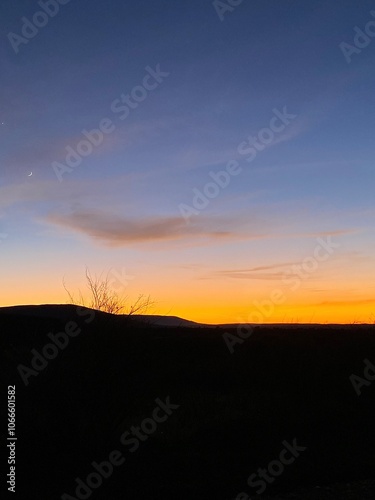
column 103, row 298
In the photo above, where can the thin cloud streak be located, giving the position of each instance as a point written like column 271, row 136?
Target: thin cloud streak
column 252, row 273
column 347, row 302
column 116, row 230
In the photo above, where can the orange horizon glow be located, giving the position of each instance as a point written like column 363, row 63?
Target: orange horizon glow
column 226, row 282
column 334, row 312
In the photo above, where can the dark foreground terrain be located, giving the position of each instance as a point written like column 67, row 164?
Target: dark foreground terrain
column 179, row 416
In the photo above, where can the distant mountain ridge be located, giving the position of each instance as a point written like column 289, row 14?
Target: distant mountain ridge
column 54, row 311
column 68, row 311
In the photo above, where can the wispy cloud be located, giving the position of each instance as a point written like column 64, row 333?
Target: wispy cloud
column 343, row 303
column 35, row 193
column 295, row 129
column 116, row 230
column 337, row 232
column 254, row 273
column 43, row 153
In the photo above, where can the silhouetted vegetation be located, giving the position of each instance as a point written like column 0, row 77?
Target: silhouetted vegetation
column 103, row 298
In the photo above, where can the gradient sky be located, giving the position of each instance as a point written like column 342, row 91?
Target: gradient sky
column 119, row 211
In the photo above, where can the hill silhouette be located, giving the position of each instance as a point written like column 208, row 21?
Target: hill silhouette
column 65, row 312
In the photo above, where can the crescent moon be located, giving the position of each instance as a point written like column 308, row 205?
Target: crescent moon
column 30, row 174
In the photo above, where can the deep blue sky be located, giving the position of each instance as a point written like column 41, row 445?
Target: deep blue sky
column 225, row 79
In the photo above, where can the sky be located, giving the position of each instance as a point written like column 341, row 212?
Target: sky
column 217, row 156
